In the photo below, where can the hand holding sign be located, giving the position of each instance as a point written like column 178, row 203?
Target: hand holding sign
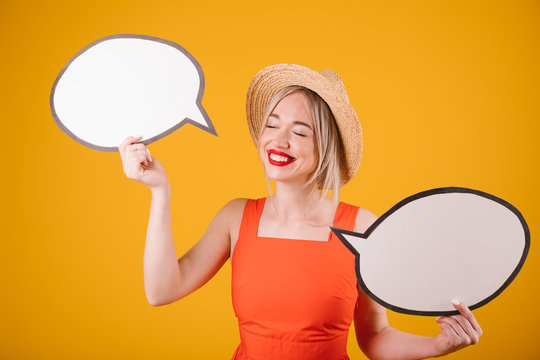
column 140, row 166
column 125, row 85
column 457, row 332
column 440, row 245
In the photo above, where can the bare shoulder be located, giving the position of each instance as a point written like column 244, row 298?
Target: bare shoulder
column 364, row 219
column 229, row 217
column 235, row 212
column 234, row 209
column 232, row 212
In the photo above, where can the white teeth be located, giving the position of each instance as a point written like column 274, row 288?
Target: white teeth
column 279, row 158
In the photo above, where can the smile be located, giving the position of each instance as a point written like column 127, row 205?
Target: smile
column 279, row 158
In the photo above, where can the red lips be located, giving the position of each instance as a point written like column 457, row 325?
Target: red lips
column 290, row 159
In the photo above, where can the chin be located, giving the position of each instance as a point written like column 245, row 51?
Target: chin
column 281, row 177
column 272, row 174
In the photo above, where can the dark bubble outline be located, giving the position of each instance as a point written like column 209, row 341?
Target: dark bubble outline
column 444, row 190
column 209, row 128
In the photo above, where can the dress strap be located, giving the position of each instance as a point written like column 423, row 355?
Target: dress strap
column 345, row 217
column 250, row 218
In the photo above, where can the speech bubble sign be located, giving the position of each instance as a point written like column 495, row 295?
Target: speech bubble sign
column 437, row 246
column 128, row 84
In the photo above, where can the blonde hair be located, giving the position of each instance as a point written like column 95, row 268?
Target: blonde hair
column 331, row 164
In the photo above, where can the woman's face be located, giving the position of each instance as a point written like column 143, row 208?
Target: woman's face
column 287, row 144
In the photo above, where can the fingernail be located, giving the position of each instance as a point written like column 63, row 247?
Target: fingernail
column 148, row 151
column 455, row 301
column 437, row 319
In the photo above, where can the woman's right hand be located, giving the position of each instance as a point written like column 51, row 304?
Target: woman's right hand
column 139, row 165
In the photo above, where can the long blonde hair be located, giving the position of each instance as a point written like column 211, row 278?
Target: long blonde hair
column 331, row 164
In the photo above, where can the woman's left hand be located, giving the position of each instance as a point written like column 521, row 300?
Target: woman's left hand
column 457, row 331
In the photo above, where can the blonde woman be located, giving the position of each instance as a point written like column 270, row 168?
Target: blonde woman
column 294, row 285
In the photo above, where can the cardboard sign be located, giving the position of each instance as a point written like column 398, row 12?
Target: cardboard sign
column 128, row 85
column 437, row 246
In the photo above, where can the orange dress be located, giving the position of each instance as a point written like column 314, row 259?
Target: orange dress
column 294, row 299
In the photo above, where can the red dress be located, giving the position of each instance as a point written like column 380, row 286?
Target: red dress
column 294, row 299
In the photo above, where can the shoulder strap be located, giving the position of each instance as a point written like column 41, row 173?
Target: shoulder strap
column 251, row 216
column 345, row 216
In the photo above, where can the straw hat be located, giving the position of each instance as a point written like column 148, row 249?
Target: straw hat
column 327, row 84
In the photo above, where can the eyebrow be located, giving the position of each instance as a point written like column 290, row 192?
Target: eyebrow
column 295, row 122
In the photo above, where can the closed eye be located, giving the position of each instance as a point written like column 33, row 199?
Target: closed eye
column 299, row 134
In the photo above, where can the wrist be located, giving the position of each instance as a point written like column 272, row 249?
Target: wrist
column 161, row 191
column 436, row 347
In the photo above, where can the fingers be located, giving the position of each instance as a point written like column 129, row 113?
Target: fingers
column 139, row 152
column 459, row 337
column 463, row 329
column 464, row 310
column 125, row 145
column 472, row 335
column 134, row 155
column 445, row 324
column 453, row 342
column 141, row 158
column 128, row 141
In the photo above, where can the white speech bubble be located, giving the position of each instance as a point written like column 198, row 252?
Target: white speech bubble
column 127, row 84
column 437, row 246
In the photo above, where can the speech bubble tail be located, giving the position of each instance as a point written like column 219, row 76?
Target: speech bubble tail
column 200, row 119
column 355, row 242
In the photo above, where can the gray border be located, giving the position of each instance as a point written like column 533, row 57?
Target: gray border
column 445, row 190
column 209, row 128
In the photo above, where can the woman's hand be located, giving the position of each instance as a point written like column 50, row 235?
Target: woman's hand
column 139, row 165
column 457, row 331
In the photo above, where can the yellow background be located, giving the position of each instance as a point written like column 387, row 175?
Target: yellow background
column 447, row 92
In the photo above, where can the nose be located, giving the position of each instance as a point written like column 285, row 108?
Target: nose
column 281, row 139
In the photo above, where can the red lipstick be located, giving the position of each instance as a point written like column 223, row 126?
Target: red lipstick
column 289, row 160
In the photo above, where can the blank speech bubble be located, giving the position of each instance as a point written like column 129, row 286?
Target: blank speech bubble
column 127, row 84
column 439, row 245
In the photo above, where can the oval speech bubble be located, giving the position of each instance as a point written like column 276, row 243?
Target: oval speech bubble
column 439, row 245
column 127, row 84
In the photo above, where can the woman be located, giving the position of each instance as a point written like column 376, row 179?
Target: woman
column 293, row 282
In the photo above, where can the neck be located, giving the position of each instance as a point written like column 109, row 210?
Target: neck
column 295, row 202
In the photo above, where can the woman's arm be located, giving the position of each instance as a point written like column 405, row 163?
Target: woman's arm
column 380, row 341
column 166, row 278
